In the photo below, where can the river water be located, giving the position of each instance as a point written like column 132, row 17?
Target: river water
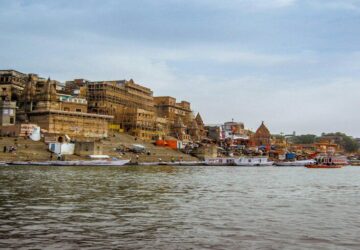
column 168, row 207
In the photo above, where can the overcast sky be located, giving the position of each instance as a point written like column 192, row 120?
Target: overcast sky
column 294, row 64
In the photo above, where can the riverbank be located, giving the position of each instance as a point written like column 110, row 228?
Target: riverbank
column 28, row 150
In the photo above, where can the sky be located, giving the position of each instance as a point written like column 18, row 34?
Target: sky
column 294, row 64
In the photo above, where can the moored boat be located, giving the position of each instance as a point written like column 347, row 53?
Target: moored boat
column 113, row 162
column 299, row 163
column 328, row 161
column 261, row 161
column 219, row 161
column 323, row 166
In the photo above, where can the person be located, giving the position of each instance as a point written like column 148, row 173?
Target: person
column 137, row 158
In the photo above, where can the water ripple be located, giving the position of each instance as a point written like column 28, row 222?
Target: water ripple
column 178, row 208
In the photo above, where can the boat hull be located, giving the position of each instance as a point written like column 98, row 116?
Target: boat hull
column 219, row 162
column 72, row 163
column 323, row 166
column 253, row 162
column 267, row 164
column 294, row 163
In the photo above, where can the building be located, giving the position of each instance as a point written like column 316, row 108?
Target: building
column 143, row 124
column 131, row 105
column 214, row 132
column 59, row 114
column 325, row 145
column 84, row 148
column 12, row 84
column 182, row 123
column 234, row 131
column 7, row 113
column 262, row 136
column 112, row 97
column 166, row 106
column 74, row 87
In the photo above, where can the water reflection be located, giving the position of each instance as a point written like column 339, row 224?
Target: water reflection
column 168, row 207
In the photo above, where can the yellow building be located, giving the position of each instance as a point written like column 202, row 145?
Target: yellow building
column 59, row 114
column 182, row 123
column 12, row 84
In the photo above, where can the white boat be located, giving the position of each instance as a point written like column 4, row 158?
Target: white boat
column 91, row 163
column 73, row 163
column 30, row 163
column 260, row 161
column 300, row 163
column 219, row 161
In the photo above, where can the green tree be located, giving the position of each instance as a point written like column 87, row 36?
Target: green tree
column 348, row 143
column 304, row 139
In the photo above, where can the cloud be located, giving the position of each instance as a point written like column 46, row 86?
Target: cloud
column 352, row 5
column 290, row 63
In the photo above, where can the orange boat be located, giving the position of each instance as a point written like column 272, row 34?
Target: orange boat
column 328, row 161
column 323, row 166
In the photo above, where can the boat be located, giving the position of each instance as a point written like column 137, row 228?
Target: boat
column 219, row 161
column 260, row 161
column 113, row 162
column 323, row 166
column 3, row 163
column 328, row 161
column 354, row 162
column 295, row 163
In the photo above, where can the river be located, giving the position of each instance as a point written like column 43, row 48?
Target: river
column 164, row 207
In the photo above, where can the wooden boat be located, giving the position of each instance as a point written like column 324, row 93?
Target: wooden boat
column 323, row 166
column 261, row 161
column 328, row 161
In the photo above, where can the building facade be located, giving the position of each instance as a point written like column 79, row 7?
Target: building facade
column 182, row 123
column 12, row 84
column 59, row 114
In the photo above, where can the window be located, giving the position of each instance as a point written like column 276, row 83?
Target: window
column 11, row 120
column 78, row 110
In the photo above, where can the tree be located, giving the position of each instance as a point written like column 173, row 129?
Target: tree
column 304, row 139
column 348, row 143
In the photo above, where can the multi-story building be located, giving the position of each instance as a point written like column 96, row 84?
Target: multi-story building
column 131, row 104
column 183, row 125
column 143, row 124
column 59, row 114
column 111, row 97
column 166, row 106
column 12, row 84
column 7, row 113
column 232, row 131
column 74, row 87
